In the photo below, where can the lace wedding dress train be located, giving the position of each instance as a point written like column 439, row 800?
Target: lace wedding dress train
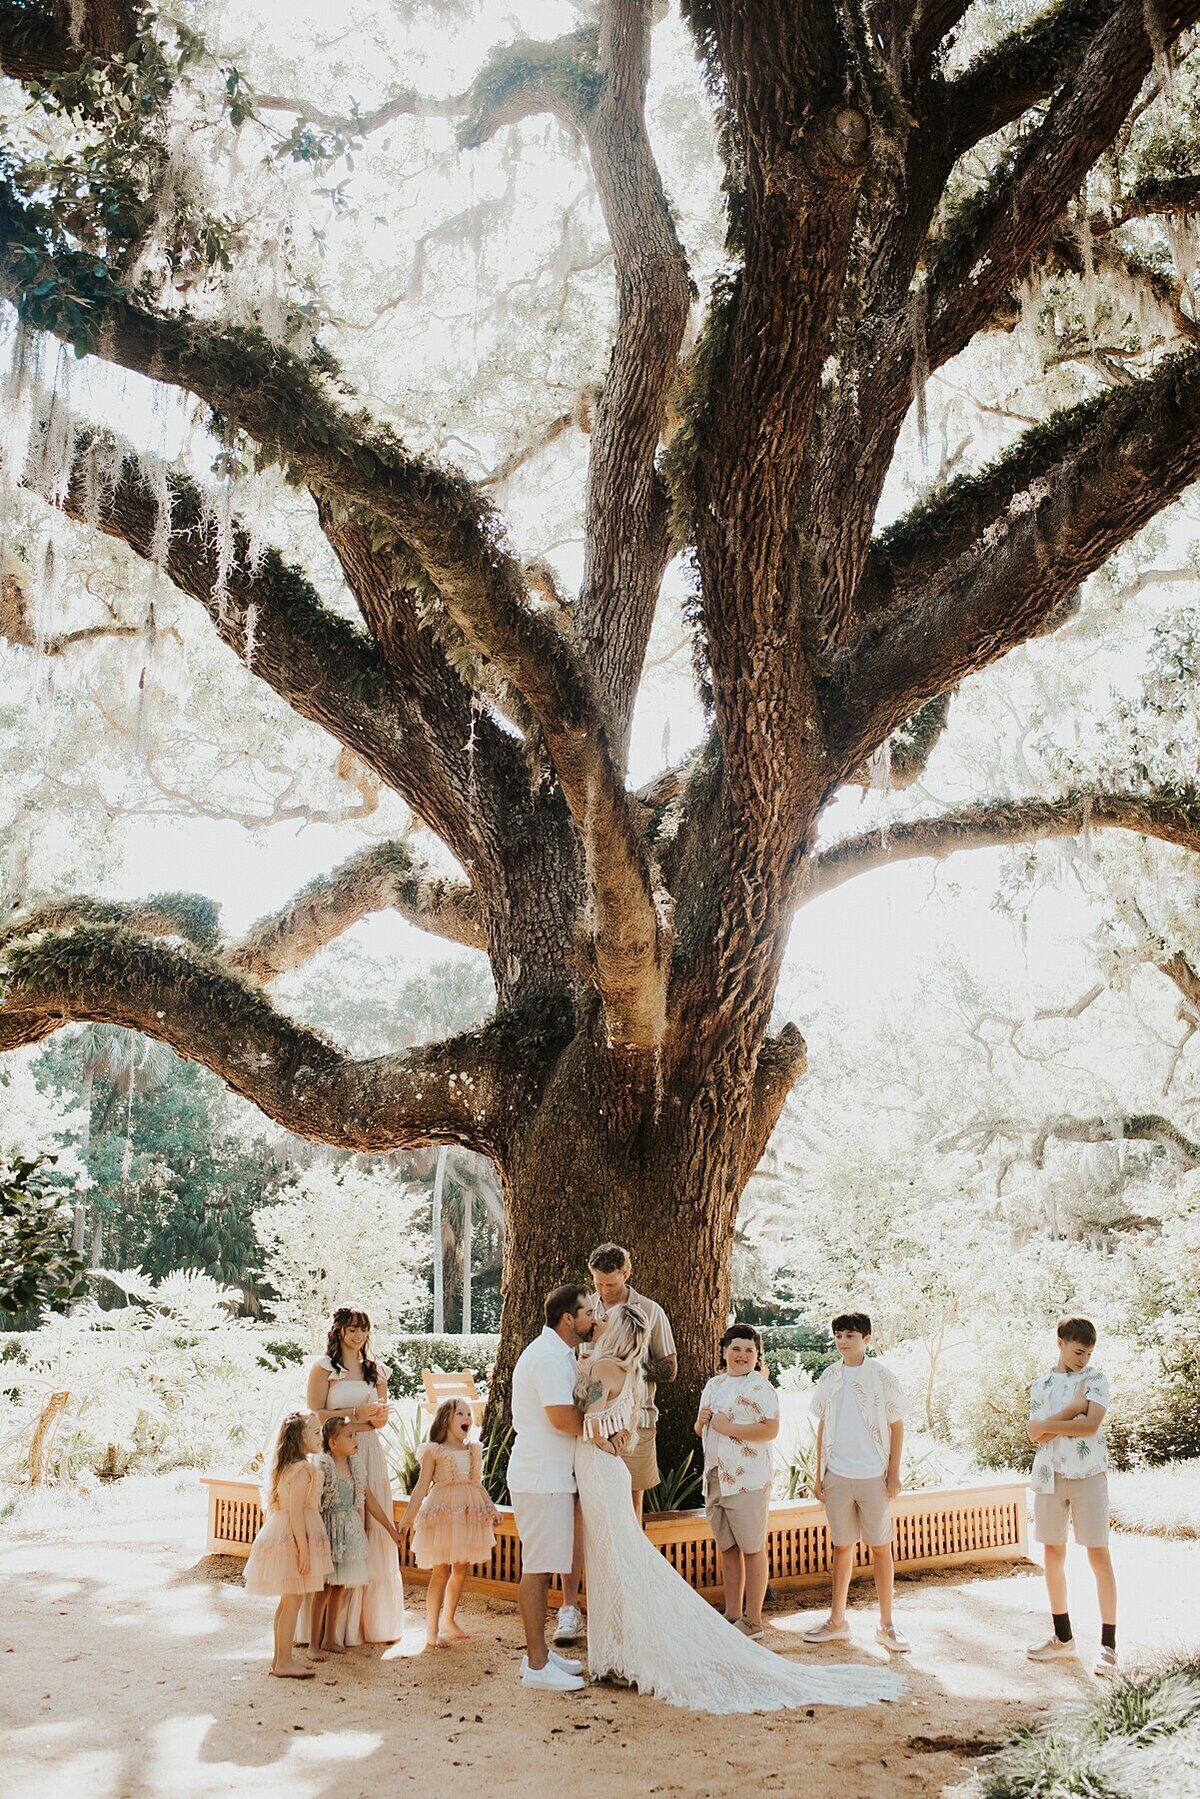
column 647, row 1626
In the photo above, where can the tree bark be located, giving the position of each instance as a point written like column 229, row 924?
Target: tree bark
column 664, row 1181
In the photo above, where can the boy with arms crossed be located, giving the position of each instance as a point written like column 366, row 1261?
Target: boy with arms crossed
column 1070, row 1479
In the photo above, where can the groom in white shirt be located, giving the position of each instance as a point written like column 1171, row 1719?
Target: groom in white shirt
column 541, row 1474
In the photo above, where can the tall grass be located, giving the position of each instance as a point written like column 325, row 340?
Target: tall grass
column 1136, row 1737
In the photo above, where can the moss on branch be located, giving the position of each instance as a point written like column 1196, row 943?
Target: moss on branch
column 189, row 916
column 528, row 76
column 183, row 995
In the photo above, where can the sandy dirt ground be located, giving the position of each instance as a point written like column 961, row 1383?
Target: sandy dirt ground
column 133, row 1667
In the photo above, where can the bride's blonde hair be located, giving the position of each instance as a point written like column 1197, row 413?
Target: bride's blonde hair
column 625, row 1341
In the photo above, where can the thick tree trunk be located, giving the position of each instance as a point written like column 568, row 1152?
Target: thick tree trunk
column 664, row 1183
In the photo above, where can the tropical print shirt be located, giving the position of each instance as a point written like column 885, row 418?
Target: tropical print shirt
column 745, row 1399
column 1074, row 1457
column 878, row 1396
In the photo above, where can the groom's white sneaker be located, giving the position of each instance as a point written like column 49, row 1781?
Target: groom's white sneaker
column 570, row 1624
column 551, row 1677
column 567, row 1663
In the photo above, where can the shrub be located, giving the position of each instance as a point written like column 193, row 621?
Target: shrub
column 407, row 1355
column 37, row 1264
column 1158, row 1419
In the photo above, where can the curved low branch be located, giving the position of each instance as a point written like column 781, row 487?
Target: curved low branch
column 385, row 877
column 1171, row 818
column 781, row 1062
column 466, row 1090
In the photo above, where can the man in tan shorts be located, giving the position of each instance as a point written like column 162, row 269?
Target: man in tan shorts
column 610, row 1268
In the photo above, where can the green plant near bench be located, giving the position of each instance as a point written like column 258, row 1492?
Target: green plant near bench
column 1136, row 1734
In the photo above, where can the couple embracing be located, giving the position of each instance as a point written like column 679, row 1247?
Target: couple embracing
column 646, row 1625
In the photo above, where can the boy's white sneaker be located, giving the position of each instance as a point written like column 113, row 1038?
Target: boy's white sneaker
column 1106, row 1663
column 553, row 1678
column 570, row 1624
column 1052, row 1650
column 893, row 1642
column 567, row 1663
column 829, row 1632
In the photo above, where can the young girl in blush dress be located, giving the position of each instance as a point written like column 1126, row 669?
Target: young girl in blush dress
column 290, row 1556
column 454, row 1517
column 346, row 1503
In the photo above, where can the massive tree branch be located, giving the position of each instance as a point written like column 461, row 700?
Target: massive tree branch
column 972, row 268
column 1016, row 543
column 385, row 877
column 596, row 86
column 1025, row 67
column 1173, row 818
column 467, row 1090
column 270, row 616
column 627, row 529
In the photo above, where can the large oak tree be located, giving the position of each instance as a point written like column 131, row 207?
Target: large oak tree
column 889, row 201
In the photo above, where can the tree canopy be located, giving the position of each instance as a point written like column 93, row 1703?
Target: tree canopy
column 695, row 386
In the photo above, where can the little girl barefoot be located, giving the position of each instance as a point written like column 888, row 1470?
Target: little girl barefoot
column 454, row 1517
column 345, row 1502
column 290, row 1555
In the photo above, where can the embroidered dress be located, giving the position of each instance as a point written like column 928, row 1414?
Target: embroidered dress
column 374, row 1613
column 648, row 1627
column 1075, row 1458
column 273, row 1566
column 746, row 1399
column 342, row 1511
column 454, row 1523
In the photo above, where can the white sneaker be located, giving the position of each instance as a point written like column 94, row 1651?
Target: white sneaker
column 893, row 1642
column 567, row 1663
column 570, row 1624
column 1106, row 1663
column 1052, row 1650
column 553, row 1678
column 829, row 1632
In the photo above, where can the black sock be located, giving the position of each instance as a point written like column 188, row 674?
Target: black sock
column 1108, row 1636
column 1062, row 1626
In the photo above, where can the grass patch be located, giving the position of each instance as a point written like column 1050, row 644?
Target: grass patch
column 1158, row 1502
column 89, row 1503
column 1135, row 1737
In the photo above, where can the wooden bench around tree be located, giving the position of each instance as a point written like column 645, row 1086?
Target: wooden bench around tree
column 939, row 1527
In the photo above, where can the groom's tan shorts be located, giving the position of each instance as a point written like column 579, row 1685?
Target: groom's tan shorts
column 546, row 1526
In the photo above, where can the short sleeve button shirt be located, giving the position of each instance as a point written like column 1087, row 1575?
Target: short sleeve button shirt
column 542, row 1458
column 1073, row 1457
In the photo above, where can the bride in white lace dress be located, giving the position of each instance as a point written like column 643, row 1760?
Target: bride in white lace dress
column 645, row 1624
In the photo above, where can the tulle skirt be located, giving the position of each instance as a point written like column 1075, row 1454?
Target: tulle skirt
column 273, row 1566
column 453, row 1525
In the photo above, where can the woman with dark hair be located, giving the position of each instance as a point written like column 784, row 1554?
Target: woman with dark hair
column 348, row 1379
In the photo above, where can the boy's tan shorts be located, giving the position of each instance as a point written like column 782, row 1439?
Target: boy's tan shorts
column 858, row 1511
column 1085, row 1501
column 738, row 1521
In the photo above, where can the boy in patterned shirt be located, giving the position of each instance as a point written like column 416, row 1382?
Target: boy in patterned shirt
column 1066, row 1423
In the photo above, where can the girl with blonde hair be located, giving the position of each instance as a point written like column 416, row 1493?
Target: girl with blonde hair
column 290, row 1556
